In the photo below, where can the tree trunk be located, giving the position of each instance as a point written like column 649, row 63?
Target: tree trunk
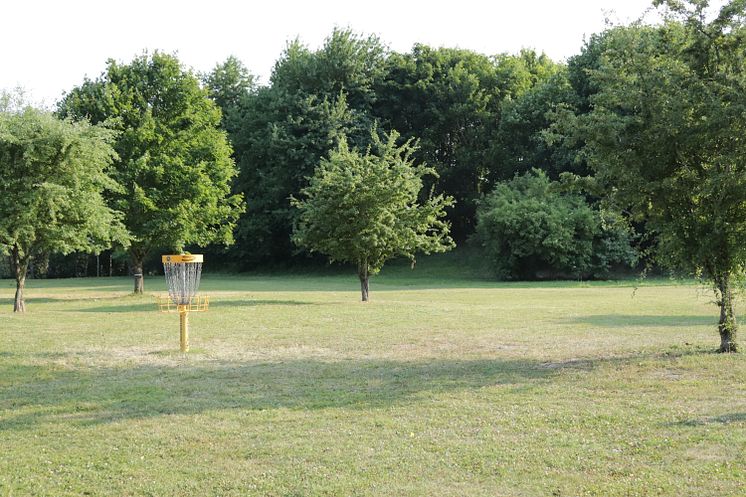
column 19, row 265
column 137, row 262
column 19, row 305
column 364, row 288
column 364, row 275
column 727, row 325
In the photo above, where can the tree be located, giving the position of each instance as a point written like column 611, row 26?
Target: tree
column 365, row 208
column 347, row 63
column 174, row 163
column 52, row 177
column 315, row 98
column 281, row 141
column 450, row 99
column 228, row 84
column 530, row 228
column 520, row 143
column 666, row 135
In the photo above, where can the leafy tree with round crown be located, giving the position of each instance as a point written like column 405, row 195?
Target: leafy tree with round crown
column 366, row 208
column 174, row 162
column 53, row 174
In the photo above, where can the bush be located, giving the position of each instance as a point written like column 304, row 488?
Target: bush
column 529, row 229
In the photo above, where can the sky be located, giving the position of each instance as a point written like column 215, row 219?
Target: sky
column 48, row 47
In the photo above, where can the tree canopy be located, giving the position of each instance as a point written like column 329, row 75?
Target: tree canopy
column 529, row 227
column 173, row 161
column 666, row 136
column 365, row 208
column 450, row 100
column 53, row 175
column 315, row 98
column 228, row 84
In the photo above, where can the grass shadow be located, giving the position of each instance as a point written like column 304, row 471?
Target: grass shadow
column 34, row 394
column 258, row 302
column 624, row 320
column 125, row 307
column 151, row 305
column 8, row 302
column 101, row 395
column 725, row 419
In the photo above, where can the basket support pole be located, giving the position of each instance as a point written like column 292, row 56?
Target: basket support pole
column 184, row 328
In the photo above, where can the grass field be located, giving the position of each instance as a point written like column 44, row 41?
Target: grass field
column 443, row 385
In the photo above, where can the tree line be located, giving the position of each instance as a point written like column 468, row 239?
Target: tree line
column 630, row 149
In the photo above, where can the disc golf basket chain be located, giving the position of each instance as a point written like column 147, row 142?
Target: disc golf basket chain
column 183, row 273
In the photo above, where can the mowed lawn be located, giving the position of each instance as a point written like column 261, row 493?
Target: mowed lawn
column 441, row 386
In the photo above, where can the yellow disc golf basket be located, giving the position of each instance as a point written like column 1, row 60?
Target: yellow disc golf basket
column 182, row 276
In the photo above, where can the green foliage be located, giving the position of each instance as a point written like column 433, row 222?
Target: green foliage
column 666, row 135
column 446, row 99
column 174, row 163
column 449, row 99
column 580, row 68
column 347, row 63
column 365, row 208
column 316, row 97
column 228, row 84
column 520, row 142
column 52, row 177
column 529, row 229
column 278, row 148
column 517, row 74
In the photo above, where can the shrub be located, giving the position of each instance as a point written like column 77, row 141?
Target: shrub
column 530, row 229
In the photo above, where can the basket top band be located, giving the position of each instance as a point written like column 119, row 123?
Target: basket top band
column 182, row 258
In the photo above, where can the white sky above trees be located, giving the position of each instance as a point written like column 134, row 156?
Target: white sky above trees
column 48, row 47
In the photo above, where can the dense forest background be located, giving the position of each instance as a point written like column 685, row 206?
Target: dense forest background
column 480, row 120
column 477, row 119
